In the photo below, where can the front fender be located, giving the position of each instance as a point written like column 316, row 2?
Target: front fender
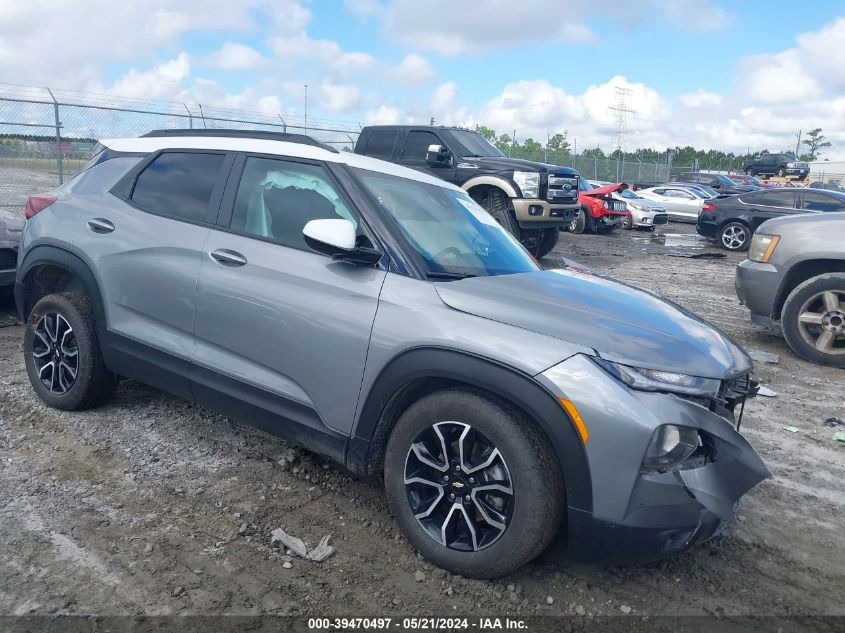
column 520, row 389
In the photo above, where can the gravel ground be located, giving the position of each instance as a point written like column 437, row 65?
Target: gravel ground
column 153, row 506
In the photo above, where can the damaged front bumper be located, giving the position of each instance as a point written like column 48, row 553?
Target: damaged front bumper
column 638, row 515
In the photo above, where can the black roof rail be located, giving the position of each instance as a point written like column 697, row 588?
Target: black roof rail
column 256, row 134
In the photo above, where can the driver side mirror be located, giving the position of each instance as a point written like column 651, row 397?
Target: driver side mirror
column 438, row 156
column 337, row 239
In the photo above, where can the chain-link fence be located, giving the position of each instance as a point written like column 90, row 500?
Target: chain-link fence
column 47, row 135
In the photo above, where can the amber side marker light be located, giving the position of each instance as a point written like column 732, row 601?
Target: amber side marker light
column 577, row 420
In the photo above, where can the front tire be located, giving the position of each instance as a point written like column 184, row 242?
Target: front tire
column 62, row 354
column 583, row 222
column 473, row 484
column 734, row 236
column 813, row 320
column 781, row 172
column 499, row 206
column 548, row 239
column 628, row 222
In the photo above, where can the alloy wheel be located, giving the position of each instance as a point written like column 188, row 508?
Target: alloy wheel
column 821, row 322
column 458, row 486
column 55, row 353
column 734, row 237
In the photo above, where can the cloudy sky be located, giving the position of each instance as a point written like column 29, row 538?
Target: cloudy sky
column 725, row 75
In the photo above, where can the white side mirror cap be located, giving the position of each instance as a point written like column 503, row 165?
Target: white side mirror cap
column 337, row 233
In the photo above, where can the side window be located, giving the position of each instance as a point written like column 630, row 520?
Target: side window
column 178, row 184
column 659, row 192
column 277, row 198
column 416, row 147
column 686, row 178
column 814, row 201
column 785, row 199
column 380, row 144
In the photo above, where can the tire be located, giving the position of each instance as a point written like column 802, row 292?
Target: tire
column 583, row 222
column 58, row 325
column 802, row 334
column 734, row 236
column 548, row 239
column 532, row 513
column 628, row 222
column 750, row 171
column 781, row 172
column 498, row 205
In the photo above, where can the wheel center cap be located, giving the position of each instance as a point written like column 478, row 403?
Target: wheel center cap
column 833, row 321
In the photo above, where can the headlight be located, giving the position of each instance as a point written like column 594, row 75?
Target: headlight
column 670, row 445
column 606, row 205
column 656, row 380
column 528, row 182
column 761, row 247
column 790, row 165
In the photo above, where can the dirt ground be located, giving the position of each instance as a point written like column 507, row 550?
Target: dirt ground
column 153, row 506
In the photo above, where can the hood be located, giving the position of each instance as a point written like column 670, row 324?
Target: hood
column 607, row 189
column 645, row 202
column 622, row 323
column 517, row 164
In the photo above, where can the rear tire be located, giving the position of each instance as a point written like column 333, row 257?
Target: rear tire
column 531, row 512
column 749, row 172
column 813, row 330
column 734, row 236
column 62, row 354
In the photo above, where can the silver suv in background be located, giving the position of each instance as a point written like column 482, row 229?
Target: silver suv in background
column 379, row 316
column 795, row 276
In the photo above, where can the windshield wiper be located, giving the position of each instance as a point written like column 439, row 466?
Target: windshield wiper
column 442, row 274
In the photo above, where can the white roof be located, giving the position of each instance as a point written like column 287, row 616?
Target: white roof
column 266, row 146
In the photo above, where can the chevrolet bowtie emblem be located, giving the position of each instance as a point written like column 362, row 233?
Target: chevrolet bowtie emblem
column 457, row 485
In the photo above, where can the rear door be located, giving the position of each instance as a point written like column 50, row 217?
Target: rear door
column 280, row 327
column 681, row 203
column 760, row 206
column 145, row 244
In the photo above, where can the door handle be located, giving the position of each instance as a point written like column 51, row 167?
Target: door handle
column 99, row 225
column 227, row 257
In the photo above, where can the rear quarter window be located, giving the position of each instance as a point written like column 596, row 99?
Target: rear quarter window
column 380, row 144
column 178, row 184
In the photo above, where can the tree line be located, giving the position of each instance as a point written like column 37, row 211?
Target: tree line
column 557, row 149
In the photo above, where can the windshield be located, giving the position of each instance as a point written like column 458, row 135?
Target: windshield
column 452, row 234
column 725, row 180
column 473, row 144
column 627, row 193
column 583, row 185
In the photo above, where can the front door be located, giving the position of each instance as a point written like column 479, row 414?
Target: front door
column 280, row 326
column 414, row 153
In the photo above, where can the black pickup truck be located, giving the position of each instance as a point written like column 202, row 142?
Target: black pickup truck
column 533, row 201
column 781, row 165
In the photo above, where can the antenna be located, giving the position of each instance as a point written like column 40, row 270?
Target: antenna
column 306, row 108
column 621, row 111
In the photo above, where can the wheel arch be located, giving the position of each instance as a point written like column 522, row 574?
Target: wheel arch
column 479, row 183
column 420, row 371
column 46, row 269
column 801, row 272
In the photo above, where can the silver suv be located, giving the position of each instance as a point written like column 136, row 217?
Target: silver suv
column 378, row 316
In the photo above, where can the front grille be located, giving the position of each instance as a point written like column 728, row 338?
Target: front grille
column 562, row 189
column 618, row 206
column 661, row 219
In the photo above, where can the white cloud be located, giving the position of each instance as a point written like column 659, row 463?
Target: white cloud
column 364, row 8
column 159, row 82
column 414, row 69
column 453, row 28
column 779, row 78
column 339, row 97
column 385, row 115
column 701, row 99
column 234, row 56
